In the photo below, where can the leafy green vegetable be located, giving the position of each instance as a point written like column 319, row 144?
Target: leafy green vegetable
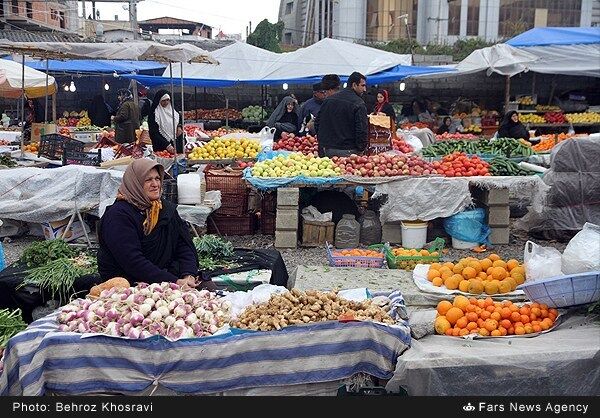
column 40, row 253
column 213, row 252
column 11, row 323
column 58, row 276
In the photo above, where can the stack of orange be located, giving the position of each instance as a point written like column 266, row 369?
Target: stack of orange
column 488, row 318
column 544, row 145
column 491, row 275
column 357, row 252
column 33, row 147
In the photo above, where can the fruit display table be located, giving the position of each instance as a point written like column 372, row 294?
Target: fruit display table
column 40, row 361
column 562, row 362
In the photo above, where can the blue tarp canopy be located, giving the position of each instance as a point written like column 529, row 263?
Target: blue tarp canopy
column 396, row 73
column 96, row 66
column 556, row 36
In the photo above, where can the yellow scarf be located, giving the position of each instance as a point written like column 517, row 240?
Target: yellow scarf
column 151, row 214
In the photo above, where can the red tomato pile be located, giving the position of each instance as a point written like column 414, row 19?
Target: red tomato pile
column 402, row 146
column 555, row 117
column 460, row 165
column 164, row 154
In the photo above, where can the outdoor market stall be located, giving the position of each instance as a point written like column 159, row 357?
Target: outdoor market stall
column 36, row 360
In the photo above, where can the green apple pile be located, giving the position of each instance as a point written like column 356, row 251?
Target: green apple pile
column 294, row 165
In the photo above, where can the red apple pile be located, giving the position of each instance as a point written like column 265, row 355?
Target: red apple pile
column 244, row 164
column 402, row 146
column 383, row 165
column 307, row 145
column 460, row 165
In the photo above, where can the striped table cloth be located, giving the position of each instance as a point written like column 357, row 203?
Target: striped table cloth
column 40, row 360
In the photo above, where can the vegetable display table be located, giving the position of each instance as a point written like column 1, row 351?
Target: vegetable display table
column 41, row 360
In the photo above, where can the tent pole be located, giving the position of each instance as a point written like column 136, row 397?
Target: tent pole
column 174, row 171
column 195, row 103
column 182, row 96
column 46, row 101
column 23, row 105
column 54, row 107
column 533, row 85
column 506, row 92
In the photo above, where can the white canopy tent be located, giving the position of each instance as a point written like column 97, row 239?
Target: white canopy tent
column 11, row 81
column 241, row 61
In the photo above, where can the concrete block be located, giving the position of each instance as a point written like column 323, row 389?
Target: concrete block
column 286, row 239
column 491, row 197
column 498, row 215
column 287, row 219
column 288, row 196
column 500, row 235
column 391, row 232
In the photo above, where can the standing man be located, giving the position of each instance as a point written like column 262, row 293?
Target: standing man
column 310, row 109
column 342, row 122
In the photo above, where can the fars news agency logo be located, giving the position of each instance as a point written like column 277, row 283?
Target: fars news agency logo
column 468, row 407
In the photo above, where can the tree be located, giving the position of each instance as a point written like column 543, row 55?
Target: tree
column 267, row 36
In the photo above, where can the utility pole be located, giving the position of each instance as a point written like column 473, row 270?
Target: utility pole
column 133, row 18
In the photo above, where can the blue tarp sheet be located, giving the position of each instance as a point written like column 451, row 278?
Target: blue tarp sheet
column 393, row 74
column 556, row 36
column 264, row 183
column 95, row 66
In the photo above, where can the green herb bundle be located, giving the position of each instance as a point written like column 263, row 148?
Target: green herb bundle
column 40, row 253
column 11, row 323
column 213, row 252
column 58, row 276
column 7, row 161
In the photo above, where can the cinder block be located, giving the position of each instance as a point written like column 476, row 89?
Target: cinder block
column 287, row 219
column 288, row 196
column 286, row 239
column 498, row 216
column 492, row 197
column 500, row 235
column 391, row 232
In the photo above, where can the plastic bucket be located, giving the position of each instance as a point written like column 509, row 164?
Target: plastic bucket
column 414, row 234
column 463, row 245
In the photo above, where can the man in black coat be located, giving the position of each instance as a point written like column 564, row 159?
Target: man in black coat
column 342, row 122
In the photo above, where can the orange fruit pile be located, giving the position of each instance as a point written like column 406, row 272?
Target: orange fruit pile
column 488, row 318
column 491, row 275
column 404, row 252
column 33, row 147
column 357, row 252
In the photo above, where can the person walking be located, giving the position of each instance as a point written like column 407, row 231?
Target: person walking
column 342, row 122
column 127, row 119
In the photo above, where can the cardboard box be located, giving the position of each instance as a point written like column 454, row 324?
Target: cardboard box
column 54, row 230
column 39, row 129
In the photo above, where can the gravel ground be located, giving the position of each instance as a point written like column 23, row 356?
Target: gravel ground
column 314, row 256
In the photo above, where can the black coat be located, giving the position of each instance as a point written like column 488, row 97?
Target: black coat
column 127, row 120
column 388, row 109
column 342, row 122
column 159, row 142
column 513, row 130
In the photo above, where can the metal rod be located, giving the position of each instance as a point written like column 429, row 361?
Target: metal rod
column 23, row 105
column 182, row 108
column 506, row 93
column 174, row 171
column 47, row 92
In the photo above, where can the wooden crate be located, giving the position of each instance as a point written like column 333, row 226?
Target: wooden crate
column 315, row 233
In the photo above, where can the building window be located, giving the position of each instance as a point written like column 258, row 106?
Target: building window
column 454, row 17
column 53, row 14
column 289, row 7
column 287, row 38
column 15, row 6
column 63, row 24
column 29, row 9
column 516, row 17
column 473, row 18
column 1, row 8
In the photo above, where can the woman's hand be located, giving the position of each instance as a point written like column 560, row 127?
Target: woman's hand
column 171, row 149
column 187, row 281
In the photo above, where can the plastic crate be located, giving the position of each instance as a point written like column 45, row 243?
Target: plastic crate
column 231, row 225
column 563, row 291
column 407, row 262
column 346, row 261
column 53, row 145
column 227, row 180
column 233, row 205
column 92, row 158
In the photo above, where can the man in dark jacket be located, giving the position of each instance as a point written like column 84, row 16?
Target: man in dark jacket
column 342, row 122
column 127, row 119
column 310, row 108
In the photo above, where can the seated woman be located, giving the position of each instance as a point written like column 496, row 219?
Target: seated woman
column 142, row 237
column 383, row 106
column 445, row 126
column 285, row 117
column 511, row 127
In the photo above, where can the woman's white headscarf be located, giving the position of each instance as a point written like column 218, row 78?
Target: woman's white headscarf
column 164, row 118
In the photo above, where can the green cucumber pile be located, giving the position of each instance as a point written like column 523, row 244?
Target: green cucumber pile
column 502, row 166
column 508, row 147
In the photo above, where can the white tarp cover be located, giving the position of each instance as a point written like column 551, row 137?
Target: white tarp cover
column 239, row 61
column 47, row 195
column 136, row 50
column 565, row 59
column 11, row 81
column 409, row 198
column 501, row 58
column 328, row 56
column 562, row 362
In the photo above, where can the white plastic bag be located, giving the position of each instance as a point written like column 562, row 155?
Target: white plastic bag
column 414, row 142
column 541, row 262
column 266, row 137
column 583, row 251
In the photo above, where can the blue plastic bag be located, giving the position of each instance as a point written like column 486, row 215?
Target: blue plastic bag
column 468, row 226
column 2, row 260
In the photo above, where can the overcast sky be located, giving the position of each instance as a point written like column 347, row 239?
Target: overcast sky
column 231, row 16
